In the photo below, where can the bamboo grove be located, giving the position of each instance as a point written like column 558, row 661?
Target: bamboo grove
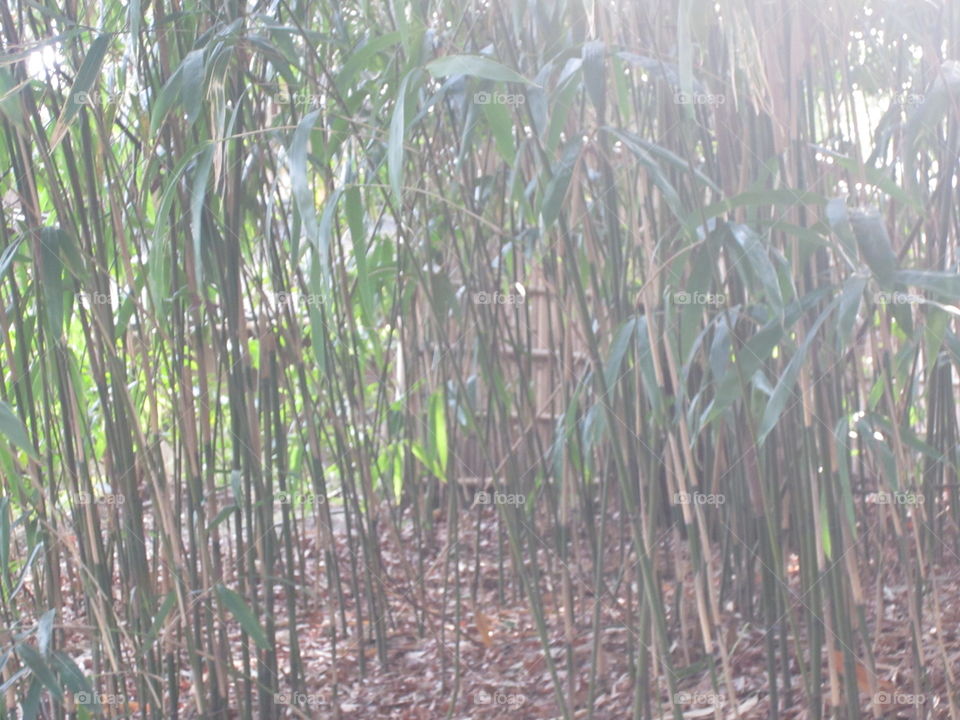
column 323, row 319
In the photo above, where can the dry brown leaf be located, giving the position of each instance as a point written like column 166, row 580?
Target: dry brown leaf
column 484, row 626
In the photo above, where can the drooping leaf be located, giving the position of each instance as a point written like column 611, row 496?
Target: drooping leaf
column 302, row 195
column 784, row 388
column 13, row 429
column 476, row 66
column 244, row 615
column 398, row 129
column 79, row 91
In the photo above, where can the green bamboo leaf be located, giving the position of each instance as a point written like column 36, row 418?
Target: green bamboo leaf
column 45, row 630
column 653, row 168
column 168, row 95
column 325, row 233
column 438, row 435
column 86, row 76
column 784, row 389
column 9, row 253
column 944, row 284
column 11, row 106
column 5, row 541
column 398, row 128
column 160, row 617
column 248, row 621
column 618, row 349
column 193, row 72
column 13, row 429
column 302, row 195
column 874, row 244
column 594, row 55
column 840, row 439
column 360, row 58
column 31, row 703
column 198, row 193
column 184, row 87
column 353, row 201
column 501, row 125
column 759, row 261
column 556, row 191
column 69, row 673
column 51, row 273
column 476, row 66
column 850, row 300
column 41, row 671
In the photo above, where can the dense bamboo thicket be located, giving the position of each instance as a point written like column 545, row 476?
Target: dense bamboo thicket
column 601, row 357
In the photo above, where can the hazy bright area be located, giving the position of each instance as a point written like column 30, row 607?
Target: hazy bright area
column 427, row 359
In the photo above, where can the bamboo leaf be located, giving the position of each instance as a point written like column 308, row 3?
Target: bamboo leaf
column 398, row 128
column 783, row 391
column 476, row 66
column 244, row 615
column 302, row 194
column 86, row 76
column 14, row 430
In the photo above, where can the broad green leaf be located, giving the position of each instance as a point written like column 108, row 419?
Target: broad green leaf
column 653, row 169
column 51, row 274
column 438, row 434
column 86, row 76
column 556, row 192
column 784, row 389
column 70, row 675
column 850, row 299
column 398, row 129
column 198, row 193
column 297, row 154
column 14, row 430
column 5, row 541
column 159, row 618
column 324, row 235
column 944, row 284
column 239, row 609
column 360, row 58
column 475, row 65
column 759, row 260
column 45, row 630
column 353, row 201
column 841, row 443
column 618, row 349
column 501, row 125
column 38, row 666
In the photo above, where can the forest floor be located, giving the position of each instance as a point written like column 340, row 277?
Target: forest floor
column 502, row 668
column 482, row 657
